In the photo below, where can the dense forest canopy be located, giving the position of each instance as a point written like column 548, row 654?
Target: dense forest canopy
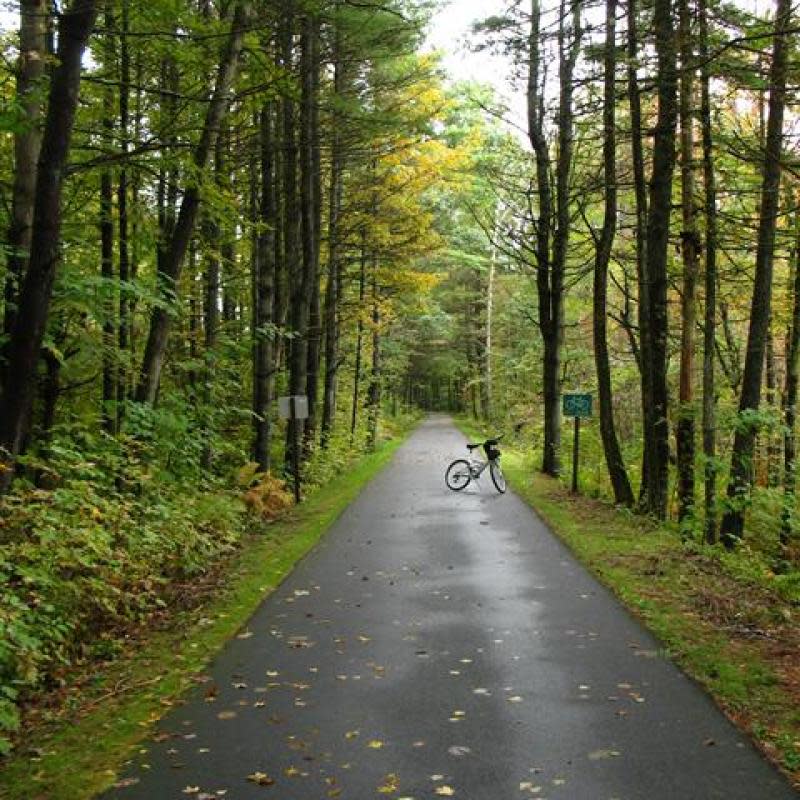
column 210, row 205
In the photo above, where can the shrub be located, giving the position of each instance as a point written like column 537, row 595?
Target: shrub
column 267, row 496
column 84, row 561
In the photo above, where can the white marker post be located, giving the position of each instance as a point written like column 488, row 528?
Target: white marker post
column 294, row 408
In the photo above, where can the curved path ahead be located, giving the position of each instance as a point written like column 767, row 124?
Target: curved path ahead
column 445, row 645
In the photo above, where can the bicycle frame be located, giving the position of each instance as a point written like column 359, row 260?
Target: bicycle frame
column 477, row 468
column 457, row 478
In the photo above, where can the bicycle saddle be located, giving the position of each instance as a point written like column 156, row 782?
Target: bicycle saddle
column 473, row 446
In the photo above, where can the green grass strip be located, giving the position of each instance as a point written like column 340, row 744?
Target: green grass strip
column 672, row 589
column 80, row 757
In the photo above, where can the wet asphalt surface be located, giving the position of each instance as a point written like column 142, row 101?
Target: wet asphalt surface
column 445, row 645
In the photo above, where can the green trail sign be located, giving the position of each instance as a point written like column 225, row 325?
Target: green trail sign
column 577, row 405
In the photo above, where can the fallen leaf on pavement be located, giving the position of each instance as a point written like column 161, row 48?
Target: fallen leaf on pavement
column 391, row 783
column 597, row 755
column 261, row 779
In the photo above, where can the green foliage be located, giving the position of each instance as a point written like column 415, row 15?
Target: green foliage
column 104, row 548
column 164, row 663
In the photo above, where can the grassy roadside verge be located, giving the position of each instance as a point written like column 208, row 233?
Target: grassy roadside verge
column 729, row 626
column 121, row 705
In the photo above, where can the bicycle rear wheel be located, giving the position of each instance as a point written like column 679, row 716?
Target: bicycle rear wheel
column 498, row 479
column 458, row 475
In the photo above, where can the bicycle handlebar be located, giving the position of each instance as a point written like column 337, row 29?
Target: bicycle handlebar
column 495, row 440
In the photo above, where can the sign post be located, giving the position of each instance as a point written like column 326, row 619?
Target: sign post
column 293, row 409
column 578, row 406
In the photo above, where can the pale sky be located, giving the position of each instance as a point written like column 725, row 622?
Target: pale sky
column 450, row 33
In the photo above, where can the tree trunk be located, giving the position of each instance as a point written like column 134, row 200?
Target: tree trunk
column 175, row 254
column 690, row 246
column 741, row 476
column 107, row 273
column 263, row 367
column 193, row 320
column 134, row 245
column 710, row 281
column 125, row 307
column 227, row 231
column 334, row 278
column 547, row 325
column 50, row 392
column 75, row 26
column 376, row 378
column 33, row 15
column 488, row 396
column 550, row 266
column 658, row 220
column 643, row 280
column 109, row 415
column 281, row 302
column 211, row 316
column 773, row 443
column 362, row 284
column 623, row 494
column 298, row 239
column 315, row 166
column 790, row 402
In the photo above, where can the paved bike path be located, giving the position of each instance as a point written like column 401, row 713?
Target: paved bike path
column 445, row 645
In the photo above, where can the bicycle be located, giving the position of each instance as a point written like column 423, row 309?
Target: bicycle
column 459, row 474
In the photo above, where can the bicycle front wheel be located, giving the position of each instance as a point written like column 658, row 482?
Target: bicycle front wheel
column 498, row 479
column 458, row 475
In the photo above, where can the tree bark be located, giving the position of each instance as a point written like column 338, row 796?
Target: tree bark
column 125, row 305
column 553, row 224
column 263, row 355
column 175, row 254
column 741, row 476
column 547, row 325
column 376, row 378
column 690, row 245
column 109, row 415
column 211, row 295
column 334, row 277
column 312, row 70
column 623, row 494
column 658, row 222
column 710, row 285
column 362, row 285
column 30, row 71
column 643, row 280
column 297, row 237
column 773, row 442
column 488, row 394
column 75, row 26
column 107, row 272
column 790, row 403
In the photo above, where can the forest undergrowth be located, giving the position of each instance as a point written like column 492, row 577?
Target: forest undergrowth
column 117, row 550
